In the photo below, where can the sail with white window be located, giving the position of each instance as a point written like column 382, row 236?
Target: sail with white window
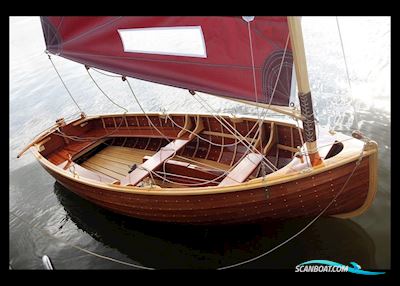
column 208, row 54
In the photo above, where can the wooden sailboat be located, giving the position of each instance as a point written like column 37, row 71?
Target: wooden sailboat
column 205, row 168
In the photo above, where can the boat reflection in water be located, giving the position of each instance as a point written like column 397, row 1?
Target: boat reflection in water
column 161, row 245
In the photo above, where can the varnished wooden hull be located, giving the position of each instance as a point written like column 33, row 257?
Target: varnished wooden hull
column 280, row 195
column 283, row 201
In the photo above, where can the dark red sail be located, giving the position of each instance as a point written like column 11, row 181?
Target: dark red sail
column 211, row 54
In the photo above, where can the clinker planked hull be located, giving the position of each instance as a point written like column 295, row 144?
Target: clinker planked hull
column 292, row 199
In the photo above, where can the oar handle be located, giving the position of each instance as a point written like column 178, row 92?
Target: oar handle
column 25, row 149
column 38, row 139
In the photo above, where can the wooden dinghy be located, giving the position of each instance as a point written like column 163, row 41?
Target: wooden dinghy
column 230, row 184
column 205, row 168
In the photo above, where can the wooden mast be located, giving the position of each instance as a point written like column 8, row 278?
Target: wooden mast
column 299, row 58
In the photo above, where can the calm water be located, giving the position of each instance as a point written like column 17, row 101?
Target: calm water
column 37, row 99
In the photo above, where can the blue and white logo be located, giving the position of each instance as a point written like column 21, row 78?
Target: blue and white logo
column 330, row 266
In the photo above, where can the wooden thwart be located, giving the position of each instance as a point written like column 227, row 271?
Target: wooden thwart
column 143, row 170
column 242, row 170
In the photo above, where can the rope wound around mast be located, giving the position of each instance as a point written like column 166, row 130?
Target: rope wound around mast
column 309, row 127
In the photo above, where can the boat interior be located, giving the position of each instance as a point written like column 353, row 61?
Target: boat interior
column 171, row 151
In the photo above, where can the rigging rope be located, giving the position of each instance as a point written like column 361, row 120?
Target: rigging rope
column 116, row 104
column 73, row 99
column 144, row 112
column 103, row 73
column 344, row 54
column 78, row 138
column 348, row 78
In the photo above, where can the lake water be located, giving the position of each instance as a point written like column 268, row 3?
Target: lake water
column 37, row 99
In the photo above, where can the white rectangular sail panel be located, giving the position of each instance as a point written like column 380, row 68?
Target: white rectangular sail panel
column 175, row 41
